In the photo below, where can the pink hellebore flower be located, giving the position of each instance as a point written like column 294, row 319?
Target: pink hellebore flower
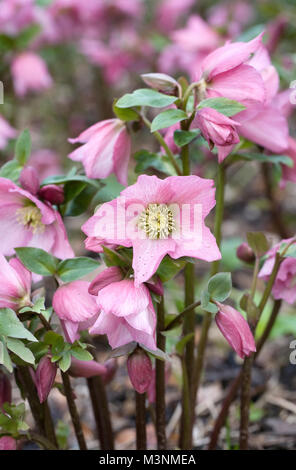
column 106, row 150
column 218, row 130
column 15, row 284
column 235, row 330
column 225, row 72
column 30, row 222
column 6, row 132
column 30, row 73
column 86, row 368
column 284, row 285
column 158, row 217
column 7, row 443
column 126, row 311
column 44, row 377
column 76, row 308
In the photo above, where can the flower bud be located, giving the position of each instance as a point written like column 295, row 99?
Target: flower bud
column 235, row 330
column 139, row 370
column 5, row 389
column 245, row 253
column 45, row 377
column 86, row 368
column 52, row 193
column 29, row 179
column 161, row 82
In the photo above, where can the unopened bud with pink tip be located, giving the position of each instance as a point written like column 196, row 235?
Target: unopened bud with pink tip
column 29, row 180
column 235, row 330
column 86, row 368
column 52, row 193
column 245, row 253
column 140, row 370
column 45, row 377
column 161, row 82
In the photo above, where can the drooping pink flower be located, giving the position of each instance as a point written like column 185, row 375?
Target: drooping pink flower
column 30, row 73
column 86, row 368
column 139, row 369
column 218, row 130
column 15, row 284
column 284, row 285
column 225, row 72
column 126, row 314
column 158, row 217
column 44, row 377
column 104, row 278
column 76, row 308
column 7, row 443
column 6, row 132
column 29, row 222
column 235, row 330
column 106, row 150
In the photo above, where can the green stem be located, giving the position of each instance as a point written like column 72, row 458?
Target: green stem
column 141, row 421
column 185, row 442
column 164, row 145
column 160, row 380
column 100, row 407
column 178, row 319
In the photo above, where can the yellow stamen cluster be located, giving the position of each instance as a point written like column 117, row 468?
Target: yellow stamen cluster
column 157, row 221
column 30, row 217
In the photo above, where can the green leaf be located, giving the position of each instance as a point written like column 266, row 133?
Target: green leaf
column 275, row 159
column 56, row 342
column 182, row 343
column 147, row 160
column 219, row 286
column 18, row 348
column 169, row 268
column 157, row 353
column 258, row 242
column 65, row 362
column 11, row 170
column 125, row 114
column 62, row 432
column 110, row 190
column 4, row 357
column 81, row 201
column 81, row 354
column 27, row 35
column 145, row 97
column 291, row 252
column 112, row 258
column 75, row 268
column 222, row 105
column 167, row 118
column 182, row 138
column 123, row 350
column 23, row 147
column 211, row 308
column 11, row 326
column 38, row 261
column 63, row 179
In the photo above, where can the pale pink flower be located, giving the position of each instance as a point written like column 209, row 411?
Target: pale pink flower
column 86, row 368
column 30, row 222
column 225, row 72
column 15, row 284
column 218, row 130
column 155, row 198
column 30, row 73
column 76, row 308
column 139, row 369
column 6, row 132
column 235, row 330
column 197, row 35
column 126, row 314
column 44, row 377
column 284, row 285
column 106, row 150
column 46, row 163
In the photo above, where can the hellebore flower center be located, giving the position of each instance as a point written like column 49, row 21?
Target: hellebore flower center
column 30, row 216
column 157, row 221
